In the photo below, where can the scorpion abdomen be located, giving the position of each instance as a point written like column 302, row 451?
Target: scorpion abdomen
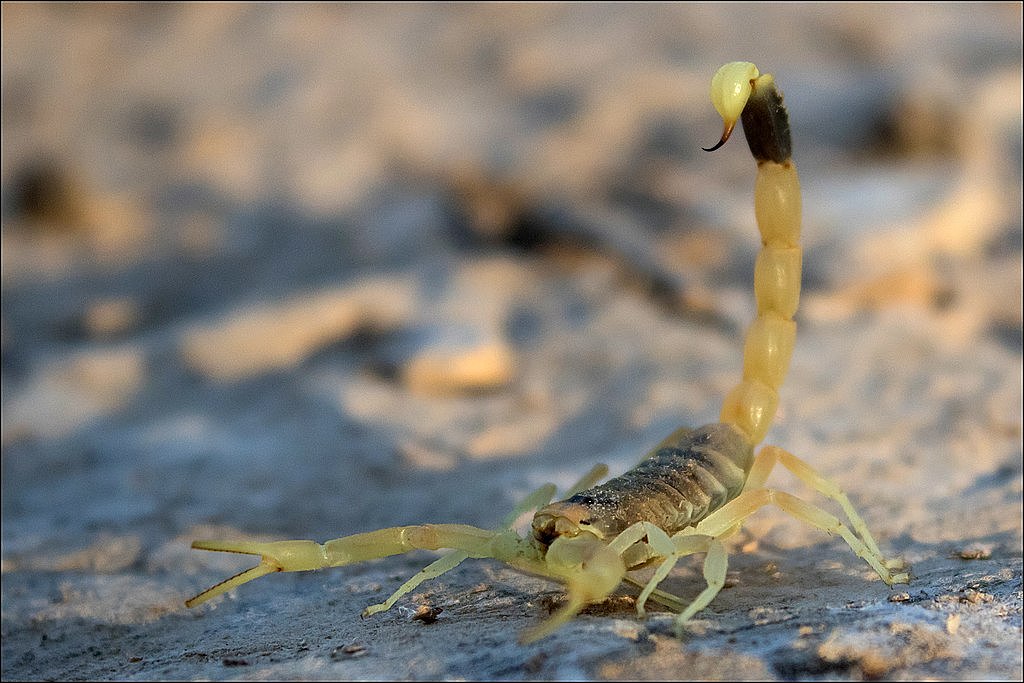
column 676, row 487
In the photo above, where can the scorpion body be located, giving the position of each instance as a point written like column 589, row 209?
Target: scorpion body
column 692, row 490
column 688, row 476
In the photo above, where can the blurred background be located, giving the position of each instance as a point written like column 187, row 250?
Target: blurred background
column 311, row 270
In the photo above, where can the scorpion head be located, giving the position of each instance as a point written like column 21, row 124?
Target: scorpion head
column 557, row 520
column 570, row 518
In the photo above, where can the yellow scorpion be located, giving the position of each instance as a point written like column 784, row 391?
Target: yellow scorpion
column 692, row 490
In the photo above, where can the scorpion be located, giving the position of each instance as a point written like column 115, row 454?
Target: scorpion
column 691, row 491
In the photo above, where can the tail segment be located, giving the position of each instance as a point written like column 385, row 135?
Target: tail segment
column 738, row 90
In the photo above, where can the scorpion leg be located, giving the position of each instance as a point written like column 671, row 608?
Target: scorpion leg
column 590, row 570
column 453, row 559
column 673, row 550
column 716, row 563
column 770, row 455
column 728, row 518
column 445, row 563
column 596, row 474
column 666, row 599
column 662, row 545
column 637, row 554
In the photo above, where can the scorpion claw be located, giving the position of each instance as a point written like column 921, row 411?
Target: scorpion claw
column 224, row 586
column 275, row 556
column 242, row 547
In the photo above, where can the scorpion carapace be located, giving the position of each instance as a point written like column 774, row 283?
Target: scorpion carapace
column 691, row 491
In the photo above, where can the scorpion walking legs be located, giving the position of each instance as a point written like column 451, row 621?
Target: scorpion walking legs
column 896, row 570
column 728, row 518
column 706, row 536
column 672, row 550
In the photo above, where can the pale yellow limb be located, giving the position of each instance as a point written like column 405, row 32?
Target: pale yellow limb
column 538, row 499
column 766, row 460
column 574, row 602
column 728, row 518
column 467, row 541
column 673, row 550
column 453, row 559
column 673, row 602
column 716, row 564
column 631, row 535
column 764, row 463
column 592, row 569
column 276, row 556
column 293, row 556
column 439, row 566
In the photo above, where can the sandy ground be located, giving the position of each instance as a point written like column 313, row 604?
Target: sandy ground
column 298, row 272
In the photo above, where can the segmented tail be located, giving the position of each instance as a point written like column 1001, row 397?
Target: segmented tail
column 738, row 90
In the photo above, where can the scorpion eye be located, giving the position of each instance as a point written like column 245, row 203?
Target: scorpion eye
column 585, row 522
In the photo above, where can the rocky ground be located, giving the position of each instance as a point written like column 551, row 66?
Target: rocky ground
column 301, row 271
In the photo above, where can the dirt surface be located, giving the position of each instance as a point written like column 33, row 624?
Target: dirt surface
column 301, row 271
